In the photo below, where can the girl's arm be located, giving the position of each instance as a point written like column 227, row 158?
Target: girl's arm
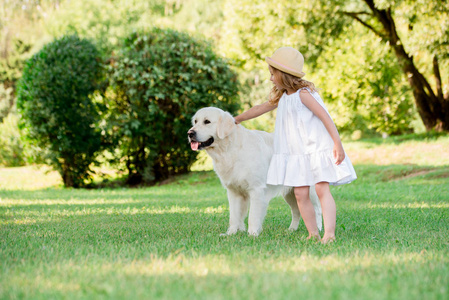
column 254, row 112
column 308, row 100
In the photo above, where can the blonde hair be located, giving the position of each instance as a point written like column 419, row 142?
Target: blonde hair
column 286, row 82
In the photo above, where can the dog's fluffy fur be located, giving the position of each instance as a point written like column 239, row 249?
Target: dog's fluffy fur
column 241, row 158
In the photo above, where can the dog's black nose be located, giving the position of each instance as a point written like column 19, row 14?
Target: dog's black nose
column 191, row 133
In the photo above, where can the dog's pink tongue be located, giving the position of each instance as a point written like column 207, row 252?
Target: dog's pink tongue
column 194, row 146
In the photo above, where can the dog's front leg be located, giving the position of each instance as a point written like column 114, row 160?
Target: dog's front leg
column 238, row 209
column 257, row 211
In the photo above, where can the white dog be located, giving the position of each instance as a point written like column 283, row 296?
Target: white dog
column 241, row 158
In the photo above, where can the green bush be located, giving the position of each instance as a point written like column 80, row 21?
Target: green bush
column 157, row 82
column 6, row 101
column 58, row 114
column 11, row 147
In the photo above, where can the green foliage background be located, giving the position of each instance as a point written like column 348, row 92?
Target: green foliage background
column 158, row 79
column 358, row 74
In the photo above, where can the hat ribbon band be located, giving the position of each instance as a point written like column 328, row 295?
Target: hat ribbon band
column 284, row 66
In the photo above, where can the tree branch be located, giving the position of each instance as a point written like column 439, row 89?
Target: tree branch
column 436, row 72
column 355, row 16
column 429, row 106
column 371, row 5
column 386, row 18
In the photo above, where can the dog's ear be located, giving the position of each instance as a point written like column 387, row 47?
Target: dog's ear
column 226, row 124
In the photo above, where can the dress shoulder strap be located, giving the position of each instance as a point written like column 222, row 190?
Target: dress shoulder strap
column 314, row 94
column 305, row 88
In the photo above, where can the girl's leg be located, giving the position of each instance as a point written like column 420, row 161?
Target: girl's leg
column 307, row 211
column 329, row 211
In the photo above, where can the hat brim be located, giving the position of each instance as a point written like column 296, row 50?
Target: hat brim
column 283, row 68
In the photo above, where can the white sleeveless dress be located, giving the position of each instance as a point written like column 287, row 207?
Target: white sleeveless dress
column 303, row 147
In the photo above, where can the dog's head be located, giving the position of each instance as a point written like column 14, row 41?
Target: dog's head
column 209, row 125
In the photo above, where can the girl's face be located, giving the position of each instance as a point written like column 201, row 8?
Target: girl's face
column 274, row 79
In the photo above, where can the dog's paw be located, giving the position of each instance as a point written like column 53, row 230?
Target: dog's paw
column 254, row 232
column 230, row 231
column 292, row 228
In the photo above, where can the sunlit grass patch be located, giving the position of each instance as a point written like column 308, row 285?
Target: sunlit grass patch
column 420, row 205
column 428, row 152
column 29, row 178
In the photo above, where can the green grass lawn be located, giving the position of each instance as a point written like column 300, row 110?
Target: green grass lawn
column 163, row 242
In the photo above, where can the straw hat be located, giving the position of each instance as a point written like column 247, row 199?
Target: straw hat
column 288, row 60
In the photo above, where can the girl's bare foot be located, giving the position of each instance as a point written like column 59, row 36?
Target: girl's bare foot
column 314, row 237
column 328, row 239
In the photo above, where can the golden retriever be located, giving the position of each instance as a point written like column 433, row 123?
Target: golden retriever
column 241, row 158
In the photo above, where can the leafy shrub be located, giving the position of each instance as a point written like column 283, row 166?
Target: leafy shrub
column 58, row 113
column 11, row 147
column 6, row 101
column 12, row 60
column 158, row 80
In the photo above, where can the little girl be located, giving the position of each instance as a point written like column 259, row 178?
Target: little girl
column 307, row 148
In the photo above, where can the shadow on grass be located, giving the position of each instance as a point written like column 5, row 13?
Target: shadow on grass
column 400, row 172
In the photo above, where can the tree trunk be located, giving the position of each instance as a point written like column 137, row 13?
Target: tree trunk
column 432, row 108
column 67, row 176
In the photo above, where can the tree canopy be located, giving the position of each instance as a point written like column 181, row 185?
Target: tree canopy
column 383, row 38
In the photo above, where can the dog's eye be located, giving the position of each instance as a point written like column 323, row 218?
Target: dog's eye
column 206, row 122
column 196, row 121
